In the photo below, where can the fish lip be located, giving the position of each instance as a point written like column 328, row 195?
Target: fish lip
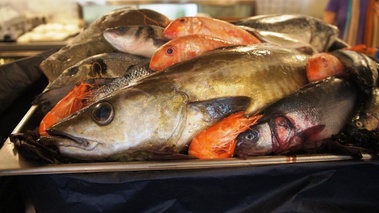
column 78, row 142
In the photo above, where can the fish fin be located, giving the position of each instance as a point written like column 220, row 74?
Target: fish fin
column 48, row 99
column 220, row 107
column 159, row 41
column 310, row 133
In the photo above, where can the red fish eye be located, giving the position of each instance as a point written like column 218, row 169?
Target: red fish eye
column 182, row 20
column 170, row 51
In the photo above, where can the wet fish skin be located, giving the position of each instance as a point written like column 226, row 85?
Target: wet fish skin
column 361, row 68
column 302, row 118
column 141, row 40
column 184, row 48
column 167, row 109
column 300, row 27
column 133, row 75
column 209, row 26
column 105, row 65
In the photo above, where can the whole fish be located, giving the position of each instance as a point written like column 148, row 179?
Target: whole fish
column 142, row 40
column 164, row 111
column 209, row 26
column 303, row 28
column 91, row 41
column 105, row 65
column 308, row 116
column 184, row 48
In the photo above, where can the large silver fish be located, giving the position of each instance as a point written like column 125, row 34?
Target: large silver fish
column 164, row 111
column 303, row 28
column 141, row 40
column 310, row 115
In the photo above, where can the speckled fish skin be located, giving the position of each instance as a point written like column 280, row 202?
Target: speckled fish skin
column 167, row 109
column 105, row 66
column 308, row 116
column 142, row 40
column 301, row 27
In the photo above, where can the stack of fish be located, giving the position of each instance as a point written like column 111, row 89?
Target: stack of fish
column 200, row 88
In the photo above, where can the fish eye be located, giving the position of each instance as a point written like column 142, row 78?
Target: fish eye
column 103, row 113
column 182, row 20
column 248, row 138
column 359, row 124
column 252, row 135
column 170, row 50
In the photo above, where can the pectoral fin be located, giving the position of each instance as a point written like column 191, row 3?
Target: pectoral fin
column 217, row 108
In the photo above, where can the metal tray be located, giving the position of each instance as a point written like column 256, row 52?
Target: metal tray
column 11, row 163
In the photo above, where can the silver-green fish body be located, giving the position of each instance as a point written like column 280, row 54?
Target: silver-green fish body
column 303, row 28
column 164, row 111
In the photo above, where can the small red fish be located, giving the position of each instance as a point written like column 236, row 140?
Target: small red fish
column 209, row 26
column 72, row 102
column 323, row 65
column 184, row 48
column 361, row 48
column 219, row 140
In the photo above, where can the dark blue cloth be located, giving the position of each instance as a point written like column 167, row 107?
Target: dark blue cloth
column 349, row 186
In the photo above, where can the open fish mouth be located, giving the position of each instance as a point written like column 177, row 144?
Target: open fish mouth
column 66, row 140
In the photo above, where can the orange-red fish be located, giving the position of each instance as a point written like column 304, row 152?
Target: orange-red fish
column 184, row 48
column 209, row 26
column 323, row 65
column 72, row 102
column 361, row 48
column 219, row 140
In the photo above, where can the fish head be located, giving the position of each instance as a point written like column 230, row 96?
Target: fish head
column 164, row 57
column 276, row 135
column 257, row 140
column 125, row 122
column 183, row 26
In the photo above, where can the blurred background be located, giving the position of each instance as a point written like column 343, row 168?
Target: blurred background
column 31, row 27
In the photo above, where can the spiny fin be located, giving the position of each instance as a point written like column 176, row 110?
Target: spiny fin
column 220, row 107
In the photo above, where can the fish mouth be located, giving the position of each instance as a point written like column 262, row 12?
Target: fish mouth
column 72, row 141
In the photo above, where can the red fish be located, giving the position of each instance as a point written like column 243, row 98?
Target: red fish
column 72, row 102
column 361, row 48
column 209, row 26
column 184, row 48
column 323, row 65
column 219, row 141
